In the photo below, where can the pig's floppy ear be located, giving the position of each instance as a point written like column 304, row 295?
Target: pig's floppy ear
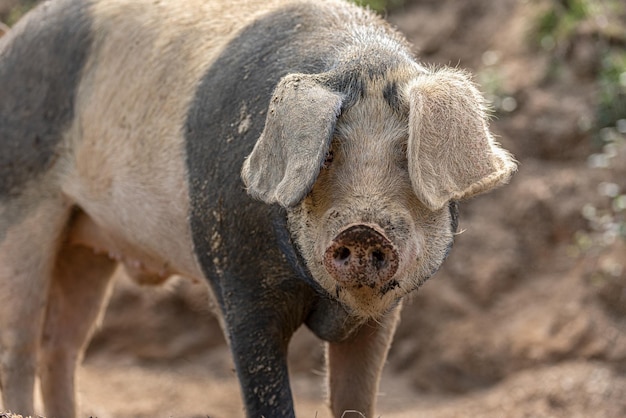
column 287, row 157
column 451, row 153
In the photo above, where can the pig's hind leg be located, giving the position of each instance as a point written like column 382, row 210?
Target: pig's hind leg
column 31, row 227
column 78, row 293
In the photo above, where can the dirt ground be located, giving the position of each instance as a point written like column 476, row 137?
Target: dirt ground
column 527, row 318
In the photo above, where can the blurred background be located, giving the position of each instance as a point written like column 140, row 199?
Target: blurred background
column 527, row 318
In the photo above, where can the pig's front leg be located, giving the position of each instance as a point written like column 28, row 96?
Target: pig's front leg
column 260, row 321
column 259, row 348
column 355, row 366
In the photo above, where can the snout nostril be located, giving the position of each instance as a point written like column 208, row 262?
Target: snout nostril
column 379, row 259
column 342, row 254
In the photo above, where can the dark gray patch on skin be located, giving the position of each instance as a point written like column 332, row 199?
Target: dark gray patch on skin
column 13, row 212
column 390, row 285
column 351, row 77
column 41, row 60
column 390, row 93
column 350, row 82
column 454, row 216
column 330, row 321
column 453, row 207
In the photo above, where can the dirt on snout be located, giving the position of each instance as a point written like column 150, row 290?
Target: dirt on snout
column 527, row 318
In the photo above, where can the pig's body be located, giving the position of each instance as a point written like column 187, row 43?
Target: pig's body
column 124, row 126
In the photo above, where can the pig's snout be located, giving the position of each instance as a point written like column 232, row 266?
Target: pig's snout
column 361, row 255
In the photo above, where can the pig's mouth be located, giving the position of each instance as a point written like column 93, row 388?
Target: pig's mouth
column 361, row 257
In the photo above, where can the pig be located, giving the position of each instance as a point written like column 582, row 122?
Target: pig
column 292, row 154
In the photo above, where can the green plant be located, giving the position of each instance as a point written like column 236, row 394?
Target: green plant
column 491, row 82
column 558, row 23
column 18, row 11
column 612, row 88
column 606, row 220
column 381, row 6
column 563, row 23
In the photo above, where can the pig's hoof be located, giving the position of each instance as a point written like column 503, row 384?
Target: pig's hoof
column 361, row 255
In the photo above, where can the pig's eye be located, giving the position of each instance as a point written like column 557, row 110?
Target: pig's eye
column 330, row 155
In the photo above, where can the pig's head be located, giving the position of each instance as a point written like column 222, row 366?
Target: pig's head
column 371, row 179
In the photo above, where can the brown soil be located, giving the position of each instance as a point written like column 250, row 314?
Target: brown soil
column 527, row 318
